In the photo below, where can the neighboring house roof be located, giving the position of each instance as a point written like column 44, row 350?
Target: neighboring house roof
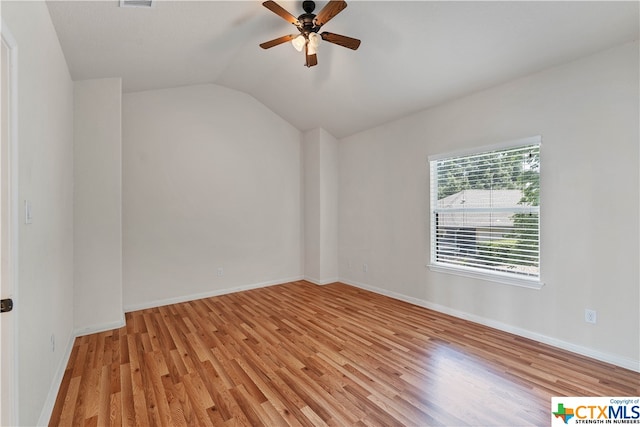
column 478, row 199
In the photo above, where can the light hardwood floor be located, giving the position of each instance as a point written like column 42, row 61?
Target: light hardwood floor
column 301, row 354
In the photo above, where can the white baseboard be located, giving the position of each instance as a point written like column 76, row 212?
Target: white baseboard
column 94, row 329
column 623, row 362
column 321, row 282
column 217, row 292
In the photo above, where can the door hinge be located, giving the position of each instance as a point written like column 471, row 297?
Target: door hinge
column 6, row 305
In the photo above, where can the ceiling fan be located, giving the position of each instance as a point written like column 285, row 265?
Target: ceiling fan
column 308, row 25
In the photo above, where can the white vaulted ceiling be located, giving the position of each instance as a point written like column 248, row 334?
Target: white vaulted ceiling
column 414, row 54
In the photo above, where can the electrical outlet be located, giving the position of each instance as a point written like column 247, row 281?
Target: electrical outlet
column 365, row 267
column 220, row 271
column 590, row 315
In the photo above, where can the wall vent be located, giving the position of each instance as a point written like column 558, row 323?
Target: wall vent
column 136, row 3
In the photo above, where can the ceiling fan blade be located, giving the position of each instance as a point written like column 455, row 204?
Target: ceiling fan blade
column 330, row 10
column 343, row 41
column 281, row 12
column 276, row 42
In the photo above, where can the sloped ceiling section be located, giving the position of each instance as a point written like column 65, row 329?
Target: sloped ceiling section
column 414, row 54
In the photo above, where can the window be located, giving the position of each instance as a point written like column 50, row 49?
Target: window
column 485, row 213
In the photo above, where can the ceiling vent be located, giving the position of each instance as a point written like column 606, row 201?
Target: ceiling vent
column 136, row 3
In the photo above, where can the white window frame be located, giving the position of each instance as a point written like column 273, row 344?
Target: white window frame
column 479, row 273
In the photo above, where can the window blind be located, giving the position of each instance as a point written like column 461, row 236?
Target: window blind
column 485, row 210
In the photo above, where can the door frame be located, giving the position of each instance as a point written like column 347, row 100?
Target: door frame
column 11, row 234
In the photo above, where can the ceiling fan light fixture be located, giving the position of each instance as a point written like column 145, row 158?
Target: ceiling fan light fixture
column 299, row 42
column 314, row 41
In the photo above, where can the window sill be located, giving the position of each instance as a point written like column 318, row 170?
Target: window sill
column 506, row 279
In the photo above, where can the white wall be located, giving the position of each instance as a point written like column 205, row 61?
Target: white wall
column 587, row 113
column 44, row 301
column 211, row 179
column 320, row 206
column 311, row 187
column 97, row 205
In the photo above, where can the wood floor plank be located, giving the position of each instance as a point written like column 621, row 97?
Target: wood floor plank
column 175, row 408
column 128, row 415
column 104, row 394
column 298, row 354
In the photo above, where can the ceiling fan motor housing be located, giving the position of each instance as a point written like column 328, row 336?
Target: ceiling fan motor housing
column 307, row 19
column 308, row 6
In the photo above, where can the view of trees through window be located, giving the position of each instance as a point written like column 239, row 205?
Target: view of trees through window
column 486, row 212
